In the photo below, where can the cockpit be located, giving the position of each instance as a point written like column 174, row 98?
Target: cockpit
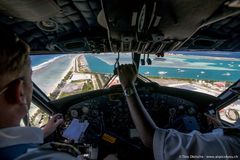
column 90, row 96
column 186, row 53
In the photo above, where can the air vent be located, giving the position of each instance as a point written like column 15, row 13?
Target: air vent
column 47, row 25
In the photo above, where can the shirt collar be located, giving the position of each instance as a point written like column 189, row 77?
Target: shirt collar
column 20, row 135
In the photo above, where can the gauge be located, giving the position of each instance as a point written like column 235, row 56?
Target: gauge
column 85, row 110
column 232, row 114
column 74, row 113
column 181, row 107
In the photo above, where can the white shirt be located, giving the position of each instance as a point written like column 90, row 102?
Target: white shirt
column 171, row 144
column 29, row 135
column 20, row 135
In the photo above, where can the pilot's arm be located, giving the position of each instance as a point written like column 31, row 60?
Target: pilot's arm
column 142, row 120
column 169, row 143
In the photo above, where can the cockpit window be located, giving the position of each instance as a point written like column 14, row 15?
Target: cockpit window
column 211, row 75
column 61, row 75
column 230, row 113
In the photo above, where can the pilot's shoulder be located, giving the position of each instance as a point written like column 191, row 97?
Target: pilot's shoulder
column 53, row 151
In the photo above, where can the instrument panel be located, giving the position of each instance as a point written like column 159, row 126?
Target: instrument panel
column 109, row 112
column 111, row 129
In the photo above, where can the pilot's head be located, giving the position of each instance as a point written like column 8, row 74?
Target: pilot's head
column 15, row 78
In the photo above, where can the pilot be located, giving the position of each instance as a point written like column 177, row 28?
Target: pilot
column 15, row 99
column 222, row 143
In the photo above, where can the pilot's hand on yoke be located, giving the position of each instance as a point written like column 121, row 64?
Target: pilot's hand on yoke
column 127, row 75
column 52, row 124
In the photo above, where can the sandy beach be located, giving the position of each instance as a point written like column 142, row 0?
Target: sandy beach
column 48, row 77
column 54, row 74
column 76, row 79
column 68, row 68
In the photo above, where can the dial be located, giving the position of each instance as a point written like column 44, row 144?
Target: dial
column 74, row 113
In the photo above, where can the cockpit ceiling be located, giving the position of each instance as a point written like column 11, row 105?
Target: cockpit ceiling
column 144, row 26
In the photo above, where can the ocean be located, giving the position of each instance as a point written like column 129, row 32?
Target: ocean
column 184, row 67
column 40, row 59
column 48, row 70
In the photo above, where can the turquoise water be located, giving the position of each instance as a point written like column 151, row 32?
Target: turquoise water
column 98, row 66
column 39, row 59
column 175, row 67
column 47, row 76
column 216, row 75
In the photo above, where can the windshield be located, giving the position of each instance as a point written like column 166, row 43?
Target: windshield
column 61, row 75
column 211, row 75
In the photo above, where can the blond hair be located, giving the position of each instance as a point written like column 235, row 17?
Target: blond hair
column 13, row 58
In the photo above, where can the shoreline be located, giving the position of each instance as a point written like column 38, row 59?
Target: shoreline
column 68, row 69
column 45, row 64
column 77, row 66
column 49, row 76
